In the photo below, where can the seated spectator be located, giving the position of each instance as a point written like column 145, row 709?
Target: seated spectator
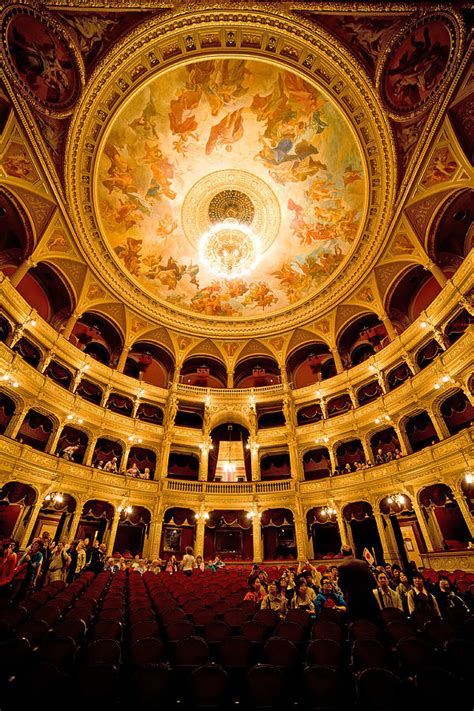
column 135, row 562
column 328, row 599
column 171, row 565
column 275, row 600
column 304, row 597
column 379, row 458
column 385, row 596
column 217, row 562
column 146, row 473
column 111, row 465
column 69, row 452
column 133, row 470
column 121, row 565
column 419, row 599
column 397, row 454
column 447, row 598
column 396, row 570
column 199, row 564
column 110, row 566
column 99, row 464
column 141, row 568
column 388, row 456
column 312, row 575
column 334, row 575
column 347, row 468
column 257, row 592
column 403, row 588
column 288, row 582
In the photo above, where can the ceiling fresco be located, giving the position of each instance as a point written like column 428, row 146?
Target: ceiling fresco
column 222, row 164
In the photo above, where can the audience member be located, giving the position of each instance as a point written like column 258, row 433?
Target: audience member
column 328, row 599
column 199, row 564
column 403, row 589
column 385, row 596
column 187, row 564
column 33, row 558
column 58, row 564
column 111, row 566
column 7, row 565
column 419, row 599
column 304, row 597
column 171, row 565
column 257, row 592
column 133, row 470
column 274, row 600
column 69, row 452
column 357, row 583
column 111, row 465
column 447, row 598
column 96, row 564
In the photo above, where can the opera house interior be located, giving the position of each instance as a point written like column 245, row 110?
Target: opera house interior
column 236, row 281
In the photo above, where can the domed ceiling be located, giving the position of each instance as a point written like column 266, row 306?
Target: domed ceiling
column 230, row 187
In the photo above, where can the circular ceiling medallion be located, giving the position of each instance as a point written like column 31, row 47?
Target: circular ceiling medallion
column 43, row 59
column 417, row 63
column 230, row 138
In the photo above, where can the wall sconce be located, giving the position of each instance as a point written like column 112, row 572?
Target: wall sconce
column 328, row 511
column 9, row 378
column 469, row 478
column 134, row 440
column 125, row 509
column 443, row 381
column 398, row 499
column 324, row 439
column 73, row 419
column 54, row 497
column 383, row 418
column 253, row 514
column 202, row 516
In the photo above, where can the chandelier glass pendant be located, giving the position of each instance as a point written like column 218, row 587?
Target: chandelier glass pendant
column 230, row 249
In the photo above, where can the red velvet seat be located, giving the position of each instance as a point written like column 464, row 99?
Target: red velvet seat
column 414, row 654
column 265, row 687
column 209, row 687
column 327, row 630
column 324, row 652
column 367, row 653
column 141, row 630
column 102, row 651
column 379, row 690
column 280, row 653
column 147, row 651
column 363, row 629
column 107, row 630
column 75, row 629
column 292, row 631
column 324, row 688
column 179, row 630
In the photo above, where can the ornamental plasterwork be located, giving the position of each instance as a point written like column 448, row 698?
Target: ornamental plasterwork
column 264, row 36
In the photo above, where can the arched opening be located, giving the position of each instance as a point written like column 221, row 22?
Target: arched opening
column 324, row 532
column 16, row 502
column 72, row 444
column 150, row 413
column 360, row 517
column 5, row 329
column 256, row 373
column 308, row 414
column 189, row 415
column 278, row 533
column 385, row 446
column 445, row 521
column 229, row 459
column 89, row 391
column 413, row 293
column 368, row 392
column 229, row 534
column 179, row 527
column 150, row 363
column 270, row 415
column 420, row 431
column 310, row 364
column 44, row 289
column 457, row 412
column 61, row 375
column 403, row 530
column 35, row 430
column 98, row 337
column 107, row 455
column 120, row 404
column 398, row 375
column 55, row 516
column 350, row 455
column 426, row 355
column 204, row 372
column 316, row 464
column 452, row 238
column 28, row 351
column 361, row 338
column 96, row 521
column 338, row 405
column 458, row 325
column 183, row 465
column 275, row 466
column 141, row 463
column 131, row 532
column 15, row 235
column 7, row 410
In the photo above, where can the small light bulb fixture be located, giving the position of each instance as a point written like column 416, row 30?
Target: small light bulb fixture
column 469, row 478
column 423, row 324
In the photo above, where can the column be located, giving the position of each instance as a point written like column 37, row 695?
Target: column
column 21, row 271
column 439, row 424
column 154, row 538
column 15, row 424
column 434, row 529
column 467, row 392
column 283, row 374
column 420, row 517
column 324, row 408
column 31, row 521
column 332, row 457
column 105, row 395
column 300, row 534
column 392, row 334
column 369, row 457
column 230, row 379
column 295, row 461
column 437, row 272
column 464, row 508
column 405, row 448
column 54, row 439
column 342, row 527
column 200, row 532
column 112, row 533
column 382, row 535
column 411, row 363
column 46, row 361
column 257, row 540
column 76, row 519
column 337, row 359
column 352, row 395
column 122, row 359
column 70, row 323
column 165, row 454
column 88, row 454
column 204, row 462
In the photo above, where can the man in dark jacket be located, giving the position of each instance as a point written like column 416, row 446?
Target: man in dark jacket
column 357, row 583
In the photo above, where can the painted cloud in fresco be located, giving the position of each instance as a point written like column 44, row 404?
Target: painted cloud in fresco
column 230, row 114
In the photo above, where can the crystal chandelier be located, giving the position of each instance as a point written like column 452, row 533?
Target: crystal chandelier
column 230, row 249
